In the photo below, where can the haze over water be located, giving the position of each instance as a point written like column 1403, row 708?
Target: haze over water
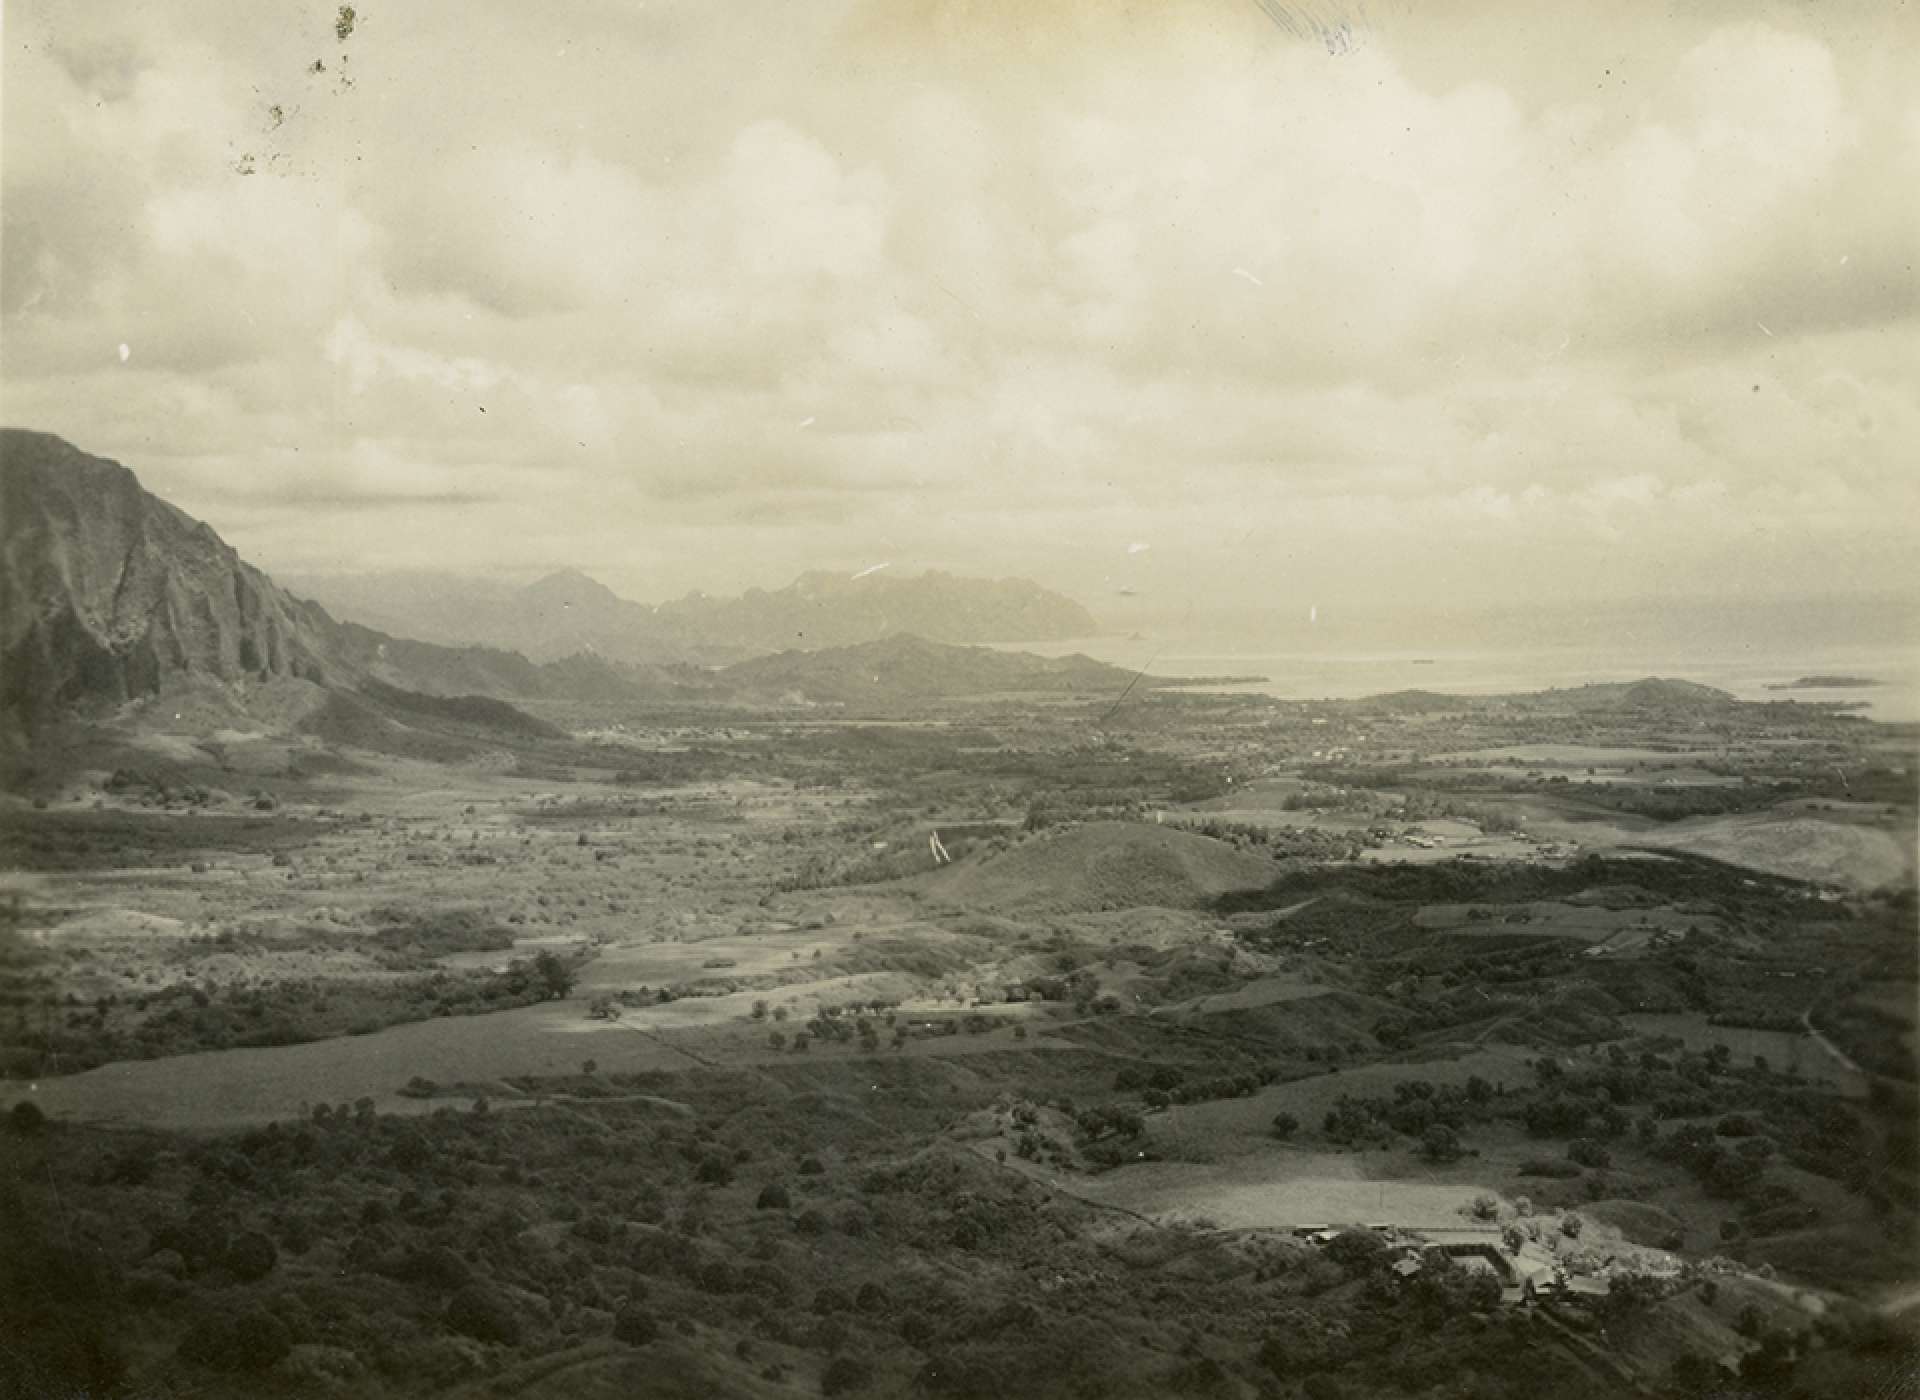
column 1739, row 647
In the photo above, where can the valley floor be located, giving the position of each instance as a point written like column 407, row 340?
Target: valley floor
column 588, row 1078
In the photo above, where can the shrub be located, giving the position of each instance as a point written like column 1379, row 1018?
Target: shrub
column 634, row 1326
column 434, row 1267
column 477, row 1312
column 1285, row 1125
column 26, row 1118
column 1546, row 1166
column 251, row 1257
column 845, row 1373
column 411, row 1152
column 250, row 1340
column 1588, row 1153
column 773, row 1196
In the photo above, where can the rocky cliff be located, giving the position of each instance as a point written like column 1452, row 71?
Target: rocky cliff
column 105, row 589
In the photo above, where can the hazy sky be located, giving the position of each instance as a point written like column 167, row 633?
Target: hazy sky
column 1351, row 303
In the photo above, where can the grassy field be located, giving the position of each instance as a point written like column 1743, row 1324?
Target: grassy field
column 1802, row 847
column 1278, row 1190
column 1783, row 1050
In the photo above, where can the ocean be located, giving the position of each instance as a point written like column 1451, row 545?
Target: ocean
column 1307, row 672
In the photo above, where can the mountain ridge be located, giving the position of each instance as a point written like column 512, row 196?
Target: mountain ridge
column 107, row 591
column 105, row 587
column 569, row 611
column 906, row 667
column 110, row 594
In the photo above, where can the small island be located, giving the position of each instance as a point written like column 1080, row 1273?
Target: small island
column 1826, row 683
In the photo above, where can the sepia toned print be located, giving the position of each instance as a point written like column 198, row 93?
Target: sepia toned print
column 918, row 698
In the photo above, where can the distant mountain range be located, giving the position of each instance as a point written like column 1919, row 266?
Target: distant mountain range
column 110, row 594
column 568, row 612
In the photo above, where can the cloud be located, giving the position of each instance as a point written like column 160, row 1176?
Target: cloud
column 1039, row 284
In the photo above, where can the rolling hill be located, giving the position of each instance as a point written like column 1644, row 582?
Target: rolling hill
column 1101, row 865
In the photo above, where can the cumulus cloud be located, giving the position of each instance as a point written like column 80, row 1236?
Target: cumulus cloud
column 1351, row 300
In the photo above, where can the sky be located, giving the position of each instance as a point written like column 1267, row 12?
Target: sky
column 1197, row 303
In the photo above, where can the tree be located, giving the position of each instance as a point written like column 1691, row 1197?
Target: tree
column 1356, row 1250
column 1285, row 1125
column 26, row 1118
column 251, row 1340
column 476, row 1312
column 1694, row 1374
column 555, row 973
column 1323, row 1386
column 1276, row 1356
column 845, row 1373
column 1588, row 1153
column 1632, row 1293
column 634, row 1326
column 251, row 1257
column 1440, row 1143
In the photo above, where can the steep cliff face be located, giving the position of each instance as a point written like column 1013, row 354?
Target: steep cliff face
column 106, row 589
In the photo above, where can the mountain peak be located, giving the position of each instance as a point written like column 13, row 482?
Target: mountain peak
column 570, row 586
